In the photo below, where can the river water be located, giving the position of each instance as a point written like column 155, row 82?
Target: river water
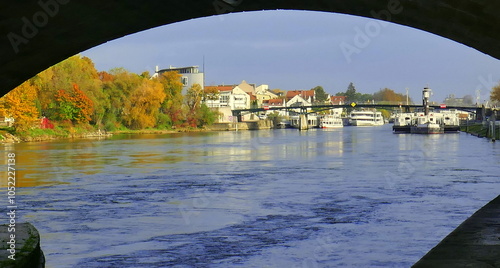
column 351, row 197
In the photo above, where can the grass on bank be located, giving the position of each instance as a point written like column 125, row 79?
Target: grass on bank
column 480, row 130
column 63, row 130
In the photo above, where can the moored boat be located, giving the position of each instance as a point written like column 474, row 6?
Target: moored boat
column 332, row 120
column 366, row 118
column 451, row 120
column 402, row 122
column 427, row 124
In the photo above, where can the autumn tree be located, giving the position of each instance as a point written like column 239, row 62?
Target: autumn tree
column 211, row 93
column 118, row 85
column 172, row 105
column 388, row 95
column 63, row 76
column 495, row 93
column 73, row 105
column 20, row 104
column 193, row 97
column 146, row 100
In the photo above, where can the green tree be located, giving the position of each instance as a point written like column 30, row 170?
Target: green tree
column 353, row 96
column 351, row 92
column 320, row 95
column 117, row 86
column 206, row 116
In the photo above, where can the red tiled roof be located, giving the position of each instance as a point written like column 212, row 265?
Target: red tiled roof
column 303, row 93
column 292, row 93
column 225, row 88
column 308, row 93
column 337, row 99
column 274, row 102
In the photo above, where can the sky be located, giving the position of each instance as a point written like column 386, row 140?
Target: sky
column 293, row 50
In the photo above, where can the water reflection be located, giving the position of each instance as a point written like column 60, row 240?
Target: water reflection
column 252, row 198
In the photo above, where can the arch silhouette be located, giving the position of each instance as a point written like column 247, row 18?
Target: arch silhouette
column 38, row 34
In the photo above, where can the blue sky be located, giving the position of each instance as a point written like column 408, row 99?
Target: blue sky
column 301, row 49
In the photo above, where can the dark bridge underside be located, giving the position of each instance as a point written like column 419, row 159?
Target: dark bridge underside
column 66, row 27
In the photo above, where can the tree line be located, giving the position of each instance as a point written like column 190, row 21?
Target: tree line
column 73, row 92
column 383, row 95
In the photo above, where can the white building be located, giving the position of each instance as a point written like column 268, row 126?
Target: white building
column 229, row 96
column 298, row 101
column 189, row 76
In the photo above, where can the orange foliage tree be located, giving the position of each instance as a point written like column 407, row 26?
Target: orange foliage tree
column 20, row 104
column 146, row 100
column 74, row 105
column 388, row 95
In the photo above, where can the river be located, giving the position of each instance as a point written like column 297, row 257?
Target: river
column 351, row 197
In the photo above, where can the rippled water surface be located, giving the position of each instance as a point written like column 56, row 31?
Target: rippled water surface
column 353, row 197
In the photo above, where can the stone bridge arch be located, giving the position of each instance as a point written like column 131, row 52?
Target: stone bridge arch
column 37, row 34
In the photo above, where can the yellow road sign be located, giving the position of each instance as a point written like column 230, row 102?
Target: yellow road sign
column 353, row 104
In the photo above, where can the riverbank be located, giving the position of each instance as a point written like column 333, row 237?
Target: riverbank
column 37, row 135
column 475, row 243
column 47, row 135
column 481, row 131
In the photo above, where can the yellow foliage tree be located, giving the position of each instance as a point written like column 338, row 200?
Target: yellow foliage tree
column 146, row 100
column 172, row 106
column 495, row 93
column 20, row 104
column 193, row 97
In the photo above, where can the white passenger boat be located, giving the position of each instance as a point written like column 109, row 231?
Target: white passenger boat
column 402, row 122
column 366, row 118
column 451, row 120
column 427, row 124
column 332, row 120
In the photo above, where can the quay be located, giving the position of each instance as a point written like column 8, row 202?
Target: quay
column 475, row 243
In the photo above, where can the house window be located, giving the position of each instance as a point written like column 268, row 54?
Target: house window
column 184, row 80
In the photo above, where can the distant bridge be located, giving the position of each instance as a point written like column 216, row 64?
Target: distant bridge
column 479, row 111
